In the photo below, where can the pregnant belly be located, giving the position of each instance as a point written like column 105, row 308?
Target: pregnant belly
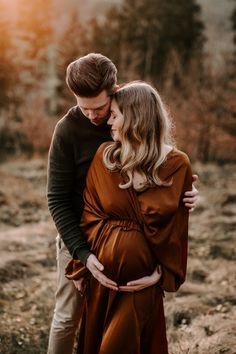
column 124, row 252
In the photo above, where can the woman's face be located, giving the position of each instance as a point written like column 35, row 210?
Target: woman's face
column 116, row 121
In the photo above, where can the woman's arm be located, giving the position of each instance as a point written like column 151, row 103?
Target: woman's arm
column 166, row 222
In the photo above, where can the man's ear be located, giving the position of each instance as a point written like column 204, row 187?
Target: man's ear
column 114, row 89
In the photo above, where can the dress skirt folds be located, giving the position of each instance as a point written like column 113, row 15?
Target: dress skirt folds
column 130, row 233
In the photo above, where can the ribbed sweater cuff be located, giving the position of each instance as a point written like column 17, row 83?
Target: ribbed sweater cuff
column 82, row 255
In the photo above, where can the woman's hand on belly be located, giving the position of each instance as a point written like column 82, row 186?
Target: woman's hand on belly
column 96, row 268
column 144, row 282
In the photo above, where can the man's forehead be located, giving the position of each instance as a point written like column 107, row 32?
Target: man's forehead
column 94, row 102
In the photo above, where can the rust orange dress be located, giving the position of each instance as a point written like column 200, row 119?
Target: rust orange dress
column 130, row 233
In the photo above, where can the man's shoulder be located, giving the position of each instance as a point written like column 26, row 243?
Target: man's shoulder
column 70, row 118
column 69, row 123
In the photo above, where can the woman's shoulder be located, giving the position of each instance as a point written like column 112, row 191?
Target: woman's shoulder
column 178, row 156
column 175, row 160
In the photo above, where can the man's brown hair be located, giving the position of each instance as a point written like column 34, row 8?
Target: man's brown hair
column 91, row 74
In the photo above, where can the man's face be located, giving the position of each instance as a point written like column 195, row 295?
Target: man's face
column 96, row 109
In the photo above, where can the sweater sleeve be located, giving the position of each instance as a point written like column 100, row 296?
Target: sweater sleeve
column 61, row 178
column 166, row 225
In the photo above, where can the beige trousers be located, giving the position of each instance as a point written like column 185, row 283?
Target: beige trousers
column 67, row 310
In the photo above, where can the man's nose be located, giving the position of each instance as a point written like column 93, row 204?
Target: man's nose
column 92, row 114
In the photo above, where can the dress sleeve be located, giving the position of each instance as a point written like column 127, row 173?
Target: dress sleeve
column 165, row 221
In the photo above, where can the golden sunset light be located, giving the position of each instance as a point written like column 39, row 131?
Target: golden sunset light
column 118, row 176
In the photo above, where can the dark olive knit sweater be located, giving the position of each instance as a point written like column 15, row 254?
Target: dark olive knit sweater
column 74, row 143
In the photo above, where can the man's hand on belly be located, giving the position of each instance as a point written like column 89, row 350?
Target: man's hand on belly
column 96, row 268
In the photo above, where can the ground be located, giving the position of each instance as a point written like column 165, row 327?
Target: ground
column 200, row 317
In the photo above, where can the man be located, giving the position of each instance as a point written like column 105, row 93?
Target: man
column 77, row 136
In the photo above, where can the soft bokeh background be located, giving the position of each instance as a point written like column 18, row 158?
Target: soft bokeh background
column 187, row 49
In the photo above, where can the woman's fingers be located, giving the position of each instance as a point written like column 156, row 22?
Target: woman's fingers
column 142, row 283
column 95, row 267
column 131, row 288
column 138, row 287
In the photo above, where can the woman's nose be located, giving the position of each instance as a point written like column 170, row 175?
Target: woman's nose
column 109, row 121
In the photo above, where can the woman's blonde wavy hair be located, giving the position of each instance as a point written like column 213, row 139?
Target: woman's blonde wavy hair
column 145, row 130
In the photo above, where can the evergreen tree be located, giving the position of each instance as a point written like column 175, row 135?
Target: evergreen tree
column 140, row 26
column 147, row 32
column 106, row 36
column 181, row 30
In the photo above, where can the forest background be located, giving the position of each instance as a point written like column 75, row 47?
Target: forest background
column 187, row 50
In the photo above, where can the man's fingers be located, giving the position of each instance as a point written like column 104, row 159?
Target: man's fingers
column 192, row 193
column 190, row 200
column 98, row 265
column 93, row 262
column 105, row 281
column 96, row 268
column 107, row 285
column 190, row 205
column 194, row 178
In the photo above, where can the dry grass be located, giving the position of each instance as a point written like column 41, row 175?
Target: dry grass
column 200, row 317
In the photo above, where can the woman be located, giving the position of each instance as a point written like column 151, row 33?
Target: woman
column 133, row 219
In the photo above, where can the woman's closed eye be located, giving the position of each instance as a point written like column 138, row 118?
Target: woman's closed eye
column 112, row 116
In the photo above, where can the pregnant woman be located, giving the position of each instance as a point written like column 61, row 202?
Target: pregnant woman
column 133, row 220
